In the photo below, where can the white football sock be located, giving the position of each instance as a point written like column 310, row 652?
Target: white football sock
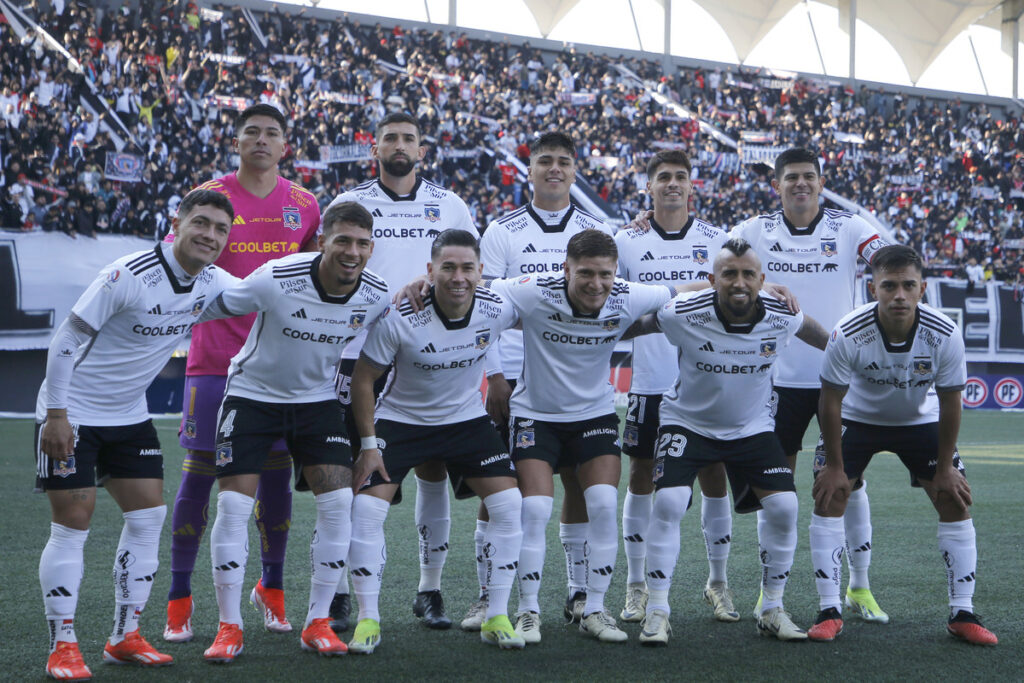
column 716, row 524
column 229, row 549
column 478, row 545
column 367, row 552
column 60, row 575
column 960, row 556
column 342, row 587
column 778, row 543
column 857, row 520
column 433, row 522
column 536, row 513
column 135, row 566
column 328, row 549
column 636, row 517
column 603, row 541
column 574, row 545
column 501, row 547
column 663, row 543
column 827, row 543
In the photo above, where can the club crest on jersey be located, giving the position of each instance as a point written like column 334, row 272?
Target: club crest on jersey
column 922, row 366
column 631, row 436
column 291, row 217
column 224, row 456
column 197, row 307
column 64, row 468
column 700, row 255
column 525, row 438
column 768, row 347
column 483, row 339
column 828, row 247
column 357, row 320
column 610, row 324
column 190, row 428
column 432, row 213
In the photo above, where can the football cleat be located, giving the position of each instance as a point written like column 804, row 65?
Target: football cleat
column 828, row 626
column 270, row 602
column 602, row 626
column 719, row 596
column 474, row 618
column 429, row 607
column 757, row 607
column 366, row 637
column 776, row 623
column 318, row 637
column 66, row 664
column 636, row 602
column 135, row 650
column 498, row 631
column 655, row 629
column 340, row 610
column 179, row 620
column 965, row 626
column 226, row 646
column 861, row 601
column 574, row 605
column 528, row 627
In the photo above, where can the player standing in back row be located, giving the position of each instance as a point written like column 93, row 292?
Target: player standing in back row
column 814, row 252
column 408, row 212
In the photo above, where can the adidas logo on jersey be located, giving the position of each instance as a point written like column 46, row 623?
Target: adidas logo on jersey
column 429, row 348
column 776, row 247
column 647, row 257
column 238, row 221
column 557, row 317
column 872, row 366
column 156, row 310
column 301, row 314
column 707, row 347
column 529, row 249
column 377, row 213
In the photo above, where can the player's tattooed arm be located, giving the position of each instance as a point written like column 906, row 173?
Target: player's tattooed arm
column 57, row 438
column 645, row 324
column 811, row 332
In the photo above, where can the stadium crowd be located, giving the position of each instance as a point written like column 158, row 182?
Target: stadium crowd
column 946, row 176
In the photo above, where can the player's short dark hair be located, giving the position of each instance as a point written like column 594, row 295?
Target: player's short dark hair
column 796, row 155
column 896, row 257
column 553, row 139
column 346, row 212
column 591, row 243
column 737, row 245
column 676, row 157
column 261, row 109
column 454, row 238
column 398, row 117
column 201, row 197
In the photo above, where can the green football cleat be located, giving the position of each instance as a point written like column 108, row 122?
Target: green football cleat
column 862, row 602
column 366, row 637
column 498, row 631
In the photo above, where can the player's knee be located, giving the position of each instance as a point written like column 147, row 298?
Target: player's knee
column 506, row 509
column 713, row 481
column 671, row 503
column 641, row 476
column 781, row 508
column 536, row 511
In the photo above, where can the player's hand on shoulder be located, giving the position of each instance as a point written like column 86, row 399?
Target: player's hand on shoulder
column 368, row 462
column 831, row 486
column 414, row 293
column 57, row 438
column 783, row 294
column 641, row 223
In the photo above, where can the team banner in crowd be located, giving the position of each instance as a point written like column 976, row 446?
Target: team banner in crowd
column 343, row 97
column 227, row 102
column 750, row 154
column 852, row 138
column 124, row 167
column 341, row 154
column 231, row 60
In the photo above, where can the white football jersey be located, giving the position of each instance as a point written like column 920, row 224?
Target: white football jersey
column 724, row 383
column 567, row 355
column 520, row 243
column 292, row 352
column 819, row 264
column 438, row 362
column 892, row 385
column 404, row 227
column 668, row 258
column 142, row 312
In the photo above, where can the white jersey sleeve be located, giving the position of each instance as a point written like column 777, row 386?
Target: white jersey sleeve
column 494, row 247
column 383, row 340
column 257, row 292
column 112, row 291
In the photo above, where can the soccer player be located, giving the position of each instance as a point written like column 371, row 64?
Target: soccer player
column 728, row 341
column 119, row 334
column 281, row 385
column 275, row 217
column 409, row 213
column 676, row 249
column 532, row 239
column 877, row 379
column 432, row 410
column 563, row 412
column 814, row 252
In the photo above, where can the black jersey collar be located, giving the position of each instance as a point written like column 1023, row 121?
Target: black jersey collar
column 671, row 235
column 803, row 232
column 171, row 277
column 397, row 197
column 452, row 324
column 908, row 343
column 557, row 227
column 742, row 328
column 314, row 275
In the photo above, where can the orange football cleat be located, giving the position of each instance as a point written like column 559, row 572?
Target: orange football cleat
column 135, row 650
column 227, row 645
column 66, row 663
column 319, row 637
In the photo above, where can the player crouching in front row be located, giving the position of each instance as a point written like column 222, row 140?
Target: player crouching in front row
column 880, row 365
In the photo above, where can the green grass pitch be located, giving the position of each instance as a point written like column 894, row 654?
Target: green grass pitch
column 907, row 578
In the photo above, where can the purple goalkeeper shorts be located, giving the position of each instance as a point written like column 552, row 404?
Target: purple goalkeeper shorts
column 200, row 405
